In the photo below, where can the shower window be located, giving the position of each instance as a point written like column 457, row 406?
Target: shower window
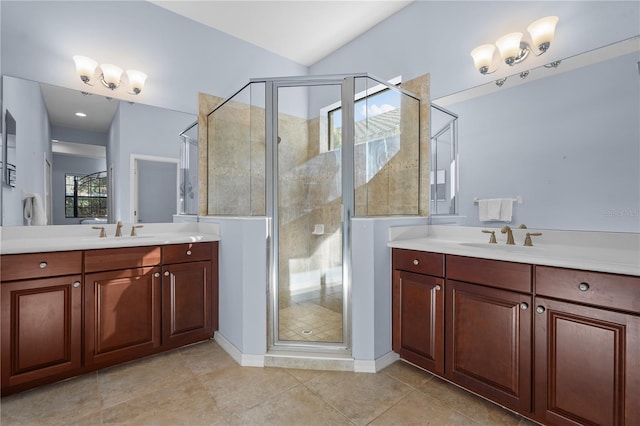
column 376, row 101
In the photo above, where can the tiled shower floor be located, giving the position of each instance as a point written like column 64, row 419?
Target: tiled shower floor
column 202, row 385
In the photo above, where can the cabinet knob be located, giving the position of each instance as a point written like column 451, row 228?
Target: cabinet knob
column 416, row 262
column 157, row 274
column 437, row 287
column 43, row 265
column 540, row 309
column 524, row 306
column 188, row 252
column 166, row 273
column 583, row 287
column 76, row 284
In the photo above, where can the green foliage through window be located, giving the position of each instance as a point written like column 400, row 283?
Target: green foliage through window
column 86, row 196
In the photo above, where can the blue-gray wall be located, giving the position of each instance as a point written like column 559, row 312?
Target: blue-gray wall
column 24, row 100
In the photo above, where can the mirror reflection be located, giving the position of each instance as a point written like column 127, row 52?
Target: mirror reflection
column 564, row 140
column 87, row 158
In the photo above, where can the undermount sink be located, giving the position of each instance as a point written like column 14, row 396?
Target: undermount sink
column 502, row 247
column 116, row 239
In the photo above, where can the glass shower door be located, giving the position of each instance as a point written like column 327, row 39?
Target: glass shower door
column 308, row 227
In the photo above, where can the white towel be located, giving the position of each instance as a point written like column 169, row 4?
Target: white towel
column 489, row 209
column 34, row 209
column 506, row 209
column 495, row 209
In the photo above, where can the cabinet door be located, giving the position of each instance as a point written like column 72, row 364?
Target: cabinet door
column 488, row 342
column 41, row 330
column 122, row 315
column 419, row 319
column 587, row 363
column 186, row 303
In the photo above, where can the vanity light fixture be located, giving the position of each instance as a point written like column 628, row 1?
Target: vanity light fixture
column 513, row 49
column 109, row 75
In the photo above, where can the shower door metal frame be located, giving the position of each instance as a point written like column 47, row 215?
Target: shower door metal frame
column 347, row 85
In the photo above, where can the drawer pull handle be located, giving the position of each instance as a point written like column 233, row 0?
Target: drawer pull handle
column 188, row 252
column 76, row 284
column 166, row 273
column 540, row 309
column 416, row 262
column 43, row 265
column 157, row 274
column 524, row 306
column 437, row 287
column 583, row 287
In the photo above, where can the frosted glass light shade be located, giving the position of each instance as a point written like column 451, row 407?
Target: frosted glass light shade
column 509, row 46
column 483, row 57
column 136, row 81
column 85, row 67
column 111, row 75
column 542, row 32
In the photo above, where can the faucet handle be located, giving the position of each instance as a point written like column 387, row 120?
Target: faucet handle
column 103, row 234
column 119, row 229
column 492, row 239
column 133, row 230
column 527, row 240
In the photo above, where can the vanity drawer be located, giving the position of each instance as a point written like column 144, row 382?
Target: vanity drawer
column 190, row 252
column 494, row 273
column 420, row 262
column 593, row 288
column 121, row 258
column 40, row 265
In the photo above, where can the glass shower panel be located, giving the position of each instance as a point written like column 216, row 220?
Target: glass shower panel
column 189, row 170
column 236, row 157
column 387, row 150
column 309, row 227
column 444, row 165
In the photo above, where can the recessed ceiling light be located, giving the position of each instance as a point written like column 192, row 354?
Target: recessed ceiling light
column 81, row 114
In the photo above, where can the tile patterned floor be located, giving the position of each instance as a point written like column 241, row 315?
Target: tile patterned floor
column 202, row 385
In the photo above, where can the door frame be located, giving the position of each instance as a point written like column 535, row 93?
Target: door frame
column 133, row 181
column 347, row 87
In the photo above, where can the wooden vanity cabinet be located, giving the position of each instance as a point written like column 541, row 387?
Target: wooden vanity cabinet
column 587, row 355
column 122, row 304
column 41, row 321
column 418, row 308
column 188, row 293
column 488, row 331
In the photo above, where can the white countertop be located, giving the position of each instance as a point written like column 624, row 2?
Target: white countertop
column 36, row 239
column 612, row 252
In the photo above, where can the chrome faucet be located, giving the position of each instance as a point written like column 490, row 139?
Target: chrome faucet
column 507, row 230
column 119, row 229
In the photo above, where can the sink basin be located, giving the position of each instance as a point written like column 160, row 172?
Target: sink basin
column 502, row 247
column 112, row 239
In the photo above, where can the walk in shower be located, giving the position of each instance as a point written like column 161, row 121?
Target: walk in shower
column 310, row 153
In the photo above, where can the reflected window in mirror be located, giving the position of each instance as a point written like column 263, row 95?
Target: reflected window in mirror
column 86, row 195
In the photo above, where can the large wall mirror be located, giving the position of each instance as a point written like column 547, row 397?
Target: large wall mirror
column 564, row 137
column 90, row 158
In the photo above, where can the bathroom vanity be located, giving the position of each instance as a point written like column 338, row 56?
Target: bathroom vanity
column 550, row 337
column 69, row 312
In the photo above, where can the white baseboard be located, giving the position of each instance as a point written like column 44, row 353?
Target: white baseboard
column 359, row 366
column 245, row 360
column 373, row 366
